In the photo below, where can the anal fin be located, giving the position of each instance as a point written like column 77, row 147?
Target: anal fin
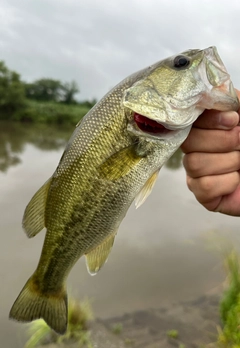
column 96, row 258
column 146, row 190
column 34, row 215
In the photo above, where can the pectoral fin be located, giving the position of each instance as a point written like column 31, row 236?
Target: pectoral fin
column 33, row 218
column 146, row 190
column 119, row 164
column 98, row 256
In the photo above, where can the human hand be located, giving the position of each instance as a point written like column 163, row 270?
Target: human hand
column 212, row 161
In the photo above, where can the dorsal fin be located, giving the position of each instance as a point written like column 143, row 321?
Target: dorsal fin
column 146, row 190
column 96, row 258
column 34, row 215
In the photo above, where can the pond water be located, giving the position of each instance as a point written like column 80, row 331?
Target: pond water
column 160, row 254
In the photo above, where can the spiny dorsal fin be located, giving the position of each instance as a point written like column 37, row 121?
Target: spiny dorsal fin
column 98, row 256
column 146, row 190
column 34, row 215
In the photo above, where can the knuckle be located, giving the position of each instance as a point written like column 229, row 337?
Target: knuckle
column 203, row 188
column 206, row 186
column 192, row 164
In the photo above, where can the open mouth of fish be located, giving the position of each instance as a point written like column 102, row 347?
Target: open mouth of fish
column 147, row 125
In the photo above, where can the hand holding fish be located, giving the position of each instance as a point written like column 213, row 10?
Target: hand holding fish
column 212, row 161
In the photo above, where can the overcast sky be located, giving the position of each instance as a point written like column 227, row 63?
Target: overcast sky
column 100, row 42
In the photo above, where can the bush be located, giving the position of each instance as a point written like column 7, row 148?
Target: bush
column 12, row 93
column 50, row 112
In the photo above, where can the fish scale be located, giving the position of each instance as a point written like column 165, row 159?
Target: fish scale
column 109, row 161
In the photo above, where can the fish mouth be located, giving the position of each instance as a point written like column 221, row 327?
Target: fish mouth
column 156, row 131
column 150, row 126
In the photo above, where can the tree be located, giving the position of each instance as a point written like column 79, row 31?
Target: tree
column 12, row 96
column 52, row 90
column 44, row 90
column 69, row 90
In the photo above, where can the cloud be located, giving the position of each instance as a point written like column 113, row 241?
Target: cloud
column 98, row 43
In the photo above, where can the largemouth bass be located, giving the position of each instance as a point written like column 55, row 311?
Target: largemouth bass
column 113, row 157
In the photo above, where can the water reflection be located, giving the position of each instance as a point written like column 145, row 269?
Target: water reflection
column 14, row 137
column 7, row 156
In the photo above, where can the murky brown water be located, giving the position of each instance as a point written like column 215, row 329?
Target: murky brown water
column 159, row 256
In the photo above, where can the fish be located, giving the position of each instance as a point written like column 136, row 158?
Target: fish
column 113, row 158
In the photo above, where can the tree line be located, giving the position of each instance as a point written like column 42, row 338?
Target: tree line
column 16, row 94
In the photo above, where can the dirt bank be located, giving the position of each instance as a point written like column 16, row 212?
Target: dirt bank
column 194, row 323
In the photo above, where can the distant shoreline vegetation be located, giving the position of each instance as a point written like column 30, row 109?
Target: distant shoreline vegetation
column 42, row 101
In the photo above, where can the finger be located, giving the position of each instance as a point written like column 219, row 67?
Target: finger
column 229, row 204
column 200, row 140
column 202, row 164
column 212, row 119
column 210, row 188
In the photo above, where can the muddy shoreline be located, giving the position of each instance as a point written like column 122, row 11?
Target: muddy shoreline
column 195, row 322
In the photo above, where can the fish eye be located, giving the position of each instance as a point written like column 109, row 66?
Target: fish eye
column 181, row 62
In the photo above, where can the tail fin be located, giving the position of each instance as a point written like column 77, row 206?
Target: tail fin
column 31, row 305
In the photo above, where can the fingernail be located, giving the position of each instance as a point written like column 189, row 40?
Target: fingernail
column 228, row 120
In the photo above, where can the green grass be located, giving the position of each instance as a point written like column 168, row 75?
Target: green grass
column 229, row 307
column 229, row 336
column 78, row 316
column 117, row 328
column 172, row 334
column 38, row 332
column 50, row 112
column 129, row 342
